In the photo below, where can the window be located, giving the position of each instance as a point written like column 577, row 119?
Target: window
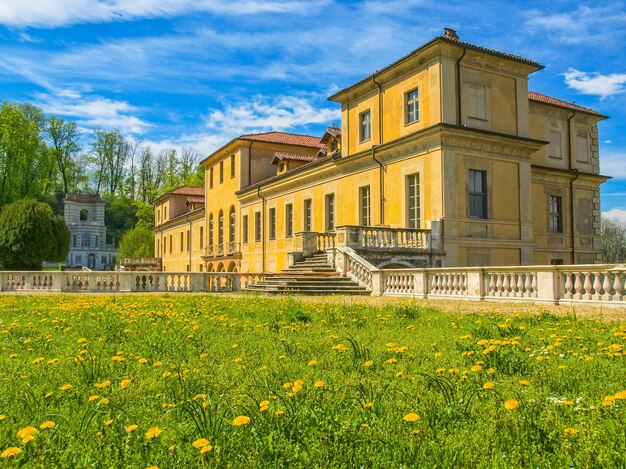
column 221, row 171
column 158, row 216
column 158, row 249
column 171, row 244
column 477, row 106
column 330, row 212
column 231, row 231
column 211, row 177
column 556, row 213
column 364, row 206
column 84, row 215
column 211, row 230
column 232, row 166
column 201, row 239
column 554, row 149
column 257, row 226
column 164, row 213
column 182, row 242
column 86, row 240
column 307, row 215
column 288, row 220
column 582, row 146
column 272, row 227
column 244, row 229
column 477, row 193
column 96, row 241
column 412, row 107
column 164, row 245
column 413, row 200
column 220, row 228
column 74, row 240
column 188, row 240
column 365, row 126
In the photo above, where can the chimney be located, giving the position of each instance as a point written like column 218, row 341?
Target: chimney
column 450, row 33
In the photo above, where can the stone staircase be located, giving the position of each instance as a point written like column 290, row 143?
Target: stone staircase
column 310, row 276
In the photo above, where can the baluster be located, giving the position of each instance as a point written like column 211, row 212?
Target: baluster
column 499, row 284
column 578, row 286
column 587, row 285
column 527, row 285
column 606, row 287
column 618, row 286
column 492, row 284
column 569, row 286
column 597, row 286
column 506, row 284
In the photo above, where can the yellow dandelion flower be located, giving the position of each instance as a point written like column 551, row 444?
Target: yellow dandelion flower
column 66, row 387
column 415, row 432
column 570, row 431
column 491, row 371
column 131, row 428
column 125, row 383
column 26, row 431
column 200, row 443
column 368, row 405
column 2, row 417
column 313, row 362
column 10, row 452
column 152, row 467
column 37, row 360
column 47, row 424
column 206, row 449
column 93, row 397
column 524, row 382
column 240, row 421
column 476, row 368
column 411, row 417
column 392, row 361
column 167, row 374
column 319, row 384
column 511, row 404
column 279, row 413
column 108, row 422
column 26, row 439
column 489, row 385
column 369, row 363
column 103, row 401
column 621, row 395
column 81, row 341
column 287, row 385
column 364, row 425
column 153, row 433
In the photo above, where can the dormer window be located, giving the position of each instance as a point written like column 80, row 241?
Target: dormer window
column 365, row 126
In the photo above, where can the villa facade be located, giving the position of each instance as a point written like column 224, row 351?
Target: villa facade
column 443, row 158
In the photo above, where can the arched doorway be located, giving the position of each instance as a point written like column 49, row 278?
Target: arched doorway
column 91, row 261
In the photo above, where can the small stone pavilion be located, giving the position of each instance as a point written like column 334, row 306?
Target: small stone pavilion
column 84, row 216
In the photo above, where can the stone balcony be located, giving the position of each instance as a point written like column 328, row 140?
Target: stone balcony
column 223, row 250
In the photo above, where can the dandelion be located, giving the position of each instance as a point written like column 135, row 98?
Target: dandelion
column 511, row 404
column 279, row 413
column 103, row 401
column 524, row 382
column 476, row 368
column 313, row 362
column 152, row 467
column 368, row 405
column 411, row 417
column 206, row 449
column 108, row 422
column 570, row 431
column 131, row 428
column 2, row 417
column 26, row 432
column 47, row 424
column 66, row 387
column 125, row 383
column 489, row 385
column 200, row 443
column 93, row 397
column 240, row 421
column 621, row 395
column 153, row 433
column 392, row 361
column 364, row 425
column 319, row 384
column 10, row 452
column 369, row 363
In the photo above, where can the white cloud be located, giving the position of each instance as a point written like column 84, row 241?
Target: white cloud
column 615, row 213
column 595, row 83
column 612, row 163
column 40, row 13
column 93, row 111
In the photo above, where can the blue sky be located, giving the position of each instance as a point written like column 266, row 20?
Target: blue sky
column 199, row 72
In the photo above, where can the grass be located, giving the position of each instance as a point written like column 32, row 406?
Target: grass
column 220, row 381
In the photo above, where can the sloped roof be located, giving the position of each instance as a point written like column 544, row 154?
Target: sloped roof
column 280, row 156
column 545, row 99
column 84, row 198
column 195, row 200
column 284, row 138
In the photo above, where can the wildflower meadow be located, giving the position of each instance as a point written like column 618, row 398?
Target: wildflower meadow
column 183, row 381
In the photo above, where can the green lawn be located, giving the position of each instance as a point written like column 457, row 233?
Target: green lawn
column 206, row 381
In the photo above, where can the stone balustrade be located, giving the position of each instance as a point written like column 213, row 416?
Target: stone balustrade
column 126, row 281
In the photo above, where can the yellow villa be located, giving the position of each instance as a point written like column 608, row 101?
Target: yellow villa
column 443, row 158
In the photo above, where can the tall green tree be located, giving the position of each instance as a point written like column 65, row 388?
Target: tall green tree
column 31, row 233
column 109, row 150
column 138, row 242
column 64, row 137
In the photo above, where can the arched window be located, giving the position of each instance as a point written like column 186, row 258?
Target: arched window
column 96, row 241
column 220, row 228
column 84, row 215
column 211, row 230
column 231, row 233
column 86, row 240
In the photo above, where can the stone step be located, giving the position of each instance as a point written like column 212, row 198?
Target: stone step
column 324, row 291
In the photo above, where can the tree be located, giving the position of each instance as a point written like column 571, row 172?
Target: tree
column 138, row 242
column 64, row 136
column 109, row 151
column 119, row 217
column 613, row 238
column 31, row 233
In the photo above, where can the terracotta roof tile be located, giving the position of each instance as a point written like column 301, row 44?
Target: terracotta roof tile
column 195, row 200
column 284, row 138
column 84, row 198
column 542, row 98
column 187, row 190
column 281, row 155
